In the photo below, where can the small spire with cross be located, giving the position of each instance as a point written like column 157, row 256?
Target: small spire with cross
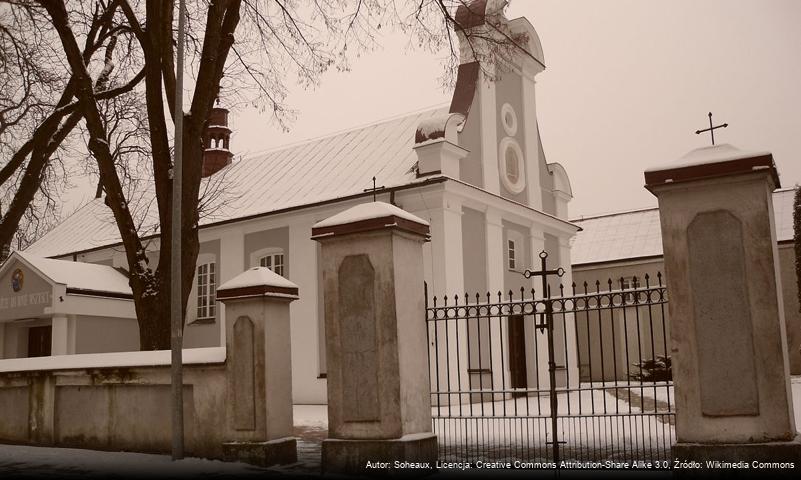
column 375, row 189
column 711, row 129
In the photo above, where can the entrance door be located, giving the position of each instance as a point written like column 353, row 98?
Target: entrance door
column 517, row 352
column 39, row 341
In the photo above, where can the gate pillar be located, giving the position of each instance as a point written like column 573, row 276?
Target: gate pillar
column 258, row 400
column 379, row 403
column 729, row 350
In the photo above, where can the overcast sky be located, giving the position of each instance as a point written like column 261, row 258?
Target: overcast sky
column 627, row 84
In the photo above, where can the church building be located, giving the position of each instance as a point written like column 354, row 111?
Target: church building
column 475, row 170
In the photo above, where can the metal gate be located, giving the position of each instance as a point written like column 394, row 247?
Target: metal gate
column 581, row 375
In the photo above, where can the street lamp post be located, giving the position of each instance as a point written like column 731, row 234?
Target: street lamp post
column 176, row 307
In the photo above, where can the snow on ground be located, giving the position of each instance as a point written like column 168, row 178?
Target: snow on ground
column 25, row 461
column 587, row 437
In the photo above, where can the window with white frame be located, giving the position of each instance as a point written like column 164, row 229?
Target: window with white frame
column 514, row 250
column 630, row 283
column 272, row 258
column 206, row 290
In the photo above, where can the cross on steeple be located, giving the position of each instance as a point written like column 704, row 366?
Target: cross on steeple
column 711, row 129
column 374, row 189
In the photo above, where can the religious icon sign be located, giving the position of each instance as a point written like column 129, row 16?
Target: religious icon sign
column 17, row 280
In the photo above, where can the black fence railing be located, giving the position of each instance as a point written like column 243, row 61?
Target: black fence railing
column 579, row 376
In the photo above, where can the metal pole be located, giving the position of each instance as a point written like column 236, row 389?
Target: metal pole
column 546, row 294
column 176, row 307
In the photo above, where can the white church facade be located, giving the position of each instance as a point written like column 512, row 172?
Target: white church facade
column 475, row 170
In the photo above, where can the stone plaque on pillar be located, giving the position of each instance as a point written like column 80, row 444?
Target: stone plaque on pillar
column 728, row 338
column 379, row 405
column 356, row 278
column 244, row 378
column 723, row 319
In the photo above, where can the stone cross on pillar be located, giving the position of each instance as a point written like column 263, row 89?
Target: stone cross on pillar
column 379, row 405
column 730, row 363
column 258, row 402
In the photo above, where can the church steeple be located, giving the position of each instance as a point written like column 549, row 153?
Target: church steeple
column 217, row 141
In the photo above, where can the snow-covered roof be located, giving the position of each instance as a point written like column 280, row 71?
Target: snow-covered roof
column 82, row 276
column 723, row 152
column 637, row 233
column 318, row 170
column 368, row 211
column 257, row 277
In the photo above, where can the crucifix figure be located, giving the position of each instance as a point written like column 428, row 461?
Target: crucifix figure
column 374, row 189
column 711, row 129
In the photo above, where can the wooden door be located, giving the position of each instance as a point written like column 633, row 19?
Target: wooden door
column 39, row 341
column 517, row 351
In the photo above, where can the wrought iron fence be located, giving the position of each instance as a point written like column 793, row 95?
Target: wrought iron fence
column 580, row 376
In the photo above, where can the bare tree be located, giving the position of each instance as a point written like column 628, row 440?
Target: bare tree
column 38, row 112
column 256, row 45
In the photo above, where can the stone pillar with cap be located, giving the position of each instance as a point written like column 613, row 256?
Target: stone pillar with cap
column 258, row 402
column 379, row 406
column 728, row 338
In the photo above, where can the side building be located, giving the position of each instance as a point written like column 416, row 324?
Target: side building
column 627, row 246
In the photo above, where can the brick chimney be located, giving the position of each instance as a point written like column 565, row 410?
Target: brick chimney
column 216, row 139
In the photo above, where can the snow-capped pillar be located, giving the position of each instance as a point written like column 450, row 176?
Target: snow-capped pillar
column 258, row 368
column 728, row 340
column 59, row 337
column 379, row 407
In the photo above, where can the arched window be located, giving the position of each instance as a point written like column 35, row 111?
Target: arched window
column 511, row 165
column 271, row 257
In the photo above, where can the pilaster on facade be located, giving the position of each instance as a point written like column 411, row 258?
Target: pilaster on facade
column 532, row 142
column 489, row 134
column 59, row 335
column 446, row 247
column 495, row 268
column 495, row 259
column 231, row 263
column 305, row 330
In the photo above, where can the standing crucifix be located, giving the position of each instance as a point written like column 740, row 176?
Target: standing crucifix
column 374, row 189
column 711, row 129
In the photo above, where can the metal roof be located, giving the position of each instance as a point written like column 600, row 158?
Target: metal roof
column 637, row 233
column 317, row 170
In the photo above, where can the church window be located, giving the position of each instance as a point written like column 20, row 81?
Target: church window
column 630, row 284
column 274, row 262
column 514, row 250
column 511, row 165
column 509, row 119
column 206, row 291
column 512, row 162
column 273, row 258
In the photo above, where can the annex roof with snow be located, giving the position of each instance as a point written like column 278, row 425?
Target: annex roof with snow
column 637, row 234
column 487, row 139
column 36, row 287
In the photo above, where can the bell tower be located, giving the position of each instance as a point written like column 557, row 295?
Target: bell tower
column 216, row 141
